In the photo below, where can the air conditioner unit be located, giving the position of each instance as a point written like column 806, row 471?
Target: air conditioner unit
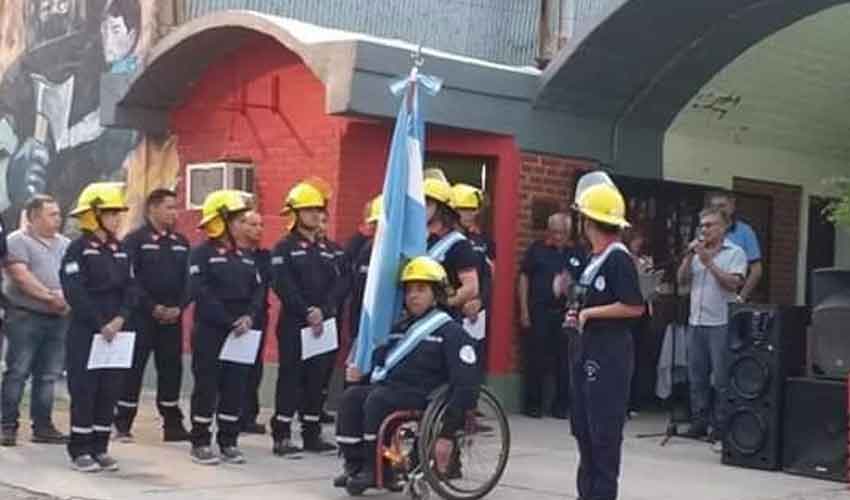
column 204, row 178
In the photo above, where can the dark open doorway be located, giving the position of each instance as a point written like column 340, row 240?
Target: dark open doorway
column 821, row 241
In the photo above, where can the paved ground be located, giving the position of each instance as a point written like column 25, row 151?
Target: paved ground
column 542, row 466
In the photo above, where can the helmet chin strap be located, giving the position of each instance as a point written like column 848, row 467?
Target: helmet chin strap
column 110, row 236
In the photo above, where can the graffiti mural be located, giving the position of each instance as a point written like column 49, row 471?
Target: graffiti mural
column 51, row 139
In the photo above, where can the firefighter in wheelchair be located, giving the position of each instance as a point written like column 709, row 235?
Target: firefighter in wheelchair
column 425, row 352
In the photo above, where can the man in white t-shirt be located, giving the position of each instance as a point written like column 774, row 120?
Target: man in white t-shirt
column 715, row 269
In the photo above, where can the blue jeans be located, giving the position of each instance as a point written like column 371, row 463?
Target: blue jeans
column 36, row 348
column 707, row 370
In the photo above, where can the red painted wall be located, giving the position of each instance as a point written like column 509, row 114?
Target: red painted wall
column 300, row 140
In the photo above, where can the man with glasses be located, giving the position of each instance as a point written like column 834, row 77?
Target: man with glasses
column 741, row 234
column 715, row 269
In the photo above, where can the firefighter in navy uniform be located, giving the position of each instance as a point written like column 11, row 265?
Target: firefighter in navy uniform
column 250, row 243
column 226, row 287
column 448, row 246
column 405, row 373
column 359, row 251
column 466, row 200
column 341, row 290
column 96, row 278
column 608, row 303
column 304, row 276
column 160, row 258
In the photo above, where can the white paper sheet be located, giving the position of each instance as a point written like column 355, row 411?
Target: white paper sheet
column 328, row 341
column 477, row 330
column 242, row 349
column 115, row 354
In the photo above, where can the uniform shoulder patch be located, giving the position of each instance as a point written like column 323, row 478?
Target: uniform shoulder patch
column 467, row 354
column 72, row 268
column 599, row 283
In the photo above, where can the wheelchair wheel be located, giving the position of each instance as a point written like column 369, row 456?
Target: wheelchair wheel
column 481, row 448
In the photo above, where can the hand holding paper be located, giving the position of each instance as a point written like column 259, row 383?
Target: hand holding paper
column 313, row 344
column 242, row 349
column 112, row 353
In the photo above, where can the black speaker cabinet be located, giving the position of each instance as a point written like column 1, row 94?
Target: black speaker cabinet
column 815, row 429
column 830, row 317
column 766, row 345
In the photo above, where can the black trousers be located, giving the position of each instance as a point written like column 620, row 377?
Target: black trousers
column 547, row 354
column 299, row 385
column 361, row 412
column 251, row 407
column 219, row 388
column 166, row 344
column 602, row 366
column 93, row 395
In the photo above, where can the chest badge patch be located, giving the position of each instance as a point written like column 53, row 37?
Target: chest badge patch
column 599, row 283
column 467, row 355
column 574, row 261
column 591, row 370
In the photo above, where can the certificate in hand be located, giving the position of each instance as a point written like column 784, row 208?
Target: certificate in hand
column 328, row 341
column 477, row 330
column 242, row 349
column 115, row 354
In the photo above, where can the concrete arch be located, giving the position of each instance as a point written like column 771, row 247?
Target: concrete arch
column 639, row 62
column 143, row 100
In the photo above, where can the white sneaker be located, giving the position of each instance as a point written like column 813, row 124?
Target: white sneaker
column 717, row 446
column 85, row 463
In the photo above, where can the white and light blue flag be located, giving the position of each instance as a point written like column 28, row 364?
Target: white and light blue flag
column 401, row 233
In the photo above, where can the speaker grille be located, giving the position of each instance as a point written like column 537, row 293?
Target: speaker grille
column 747, row 432
column 750, row 377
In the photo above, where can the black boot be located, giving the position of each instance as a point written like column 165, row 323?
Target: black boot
column 365, row 478
column 174, row 432
column 314, row 443
column 349, row 468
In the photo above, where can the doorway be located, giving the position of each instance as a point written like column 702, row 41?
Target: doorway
column 821, row 237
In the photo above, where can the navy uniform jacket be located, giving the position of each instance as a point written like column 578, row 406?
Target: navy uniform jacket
column 459, row 257
column 359, row 272
column 225, row 285
column 160, row 264
column 263, row 259
column 485, row 249
column 97, row 282
column 304, row 275
column 616, row 281
column 447, row 356
column 344, row 277
column 542, row 262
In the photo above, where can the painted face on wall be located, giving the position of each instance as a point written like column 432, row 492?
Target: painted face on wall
column 118, row 41
column 48, row 20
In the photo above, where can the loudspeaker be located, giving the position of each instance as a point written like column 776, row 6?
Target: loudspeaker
column 830, row 316
column 766, row 344
column 815, row 429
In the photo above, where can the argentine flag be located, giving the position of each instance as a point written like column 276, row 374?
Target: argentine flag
column 401, row 233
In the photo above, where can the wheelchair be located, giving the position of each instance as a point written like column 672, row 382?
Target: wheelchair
column 405, row 453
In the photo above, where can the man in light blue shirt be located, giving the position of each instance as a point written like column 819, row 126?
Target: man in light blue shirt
column 740, row 233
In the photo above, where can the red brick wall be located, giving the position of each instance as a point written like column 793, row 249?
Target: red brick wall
column 784, row 227
column 546, row 178
column 298, row 142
